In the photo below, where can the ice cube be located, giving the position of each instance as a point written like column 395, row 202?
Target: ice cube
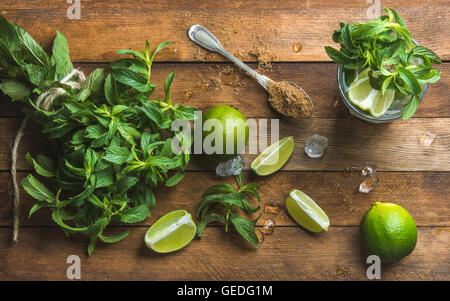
column 426, row 138
column 368, row 170
column 232, row 167
column 269, row 226
column 315, row 146
column 368, row 184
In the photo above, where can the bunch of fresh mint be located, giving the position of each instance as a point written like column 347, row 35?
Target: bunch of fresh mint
column 386, row 45
column 224, row 198
column 112, row 144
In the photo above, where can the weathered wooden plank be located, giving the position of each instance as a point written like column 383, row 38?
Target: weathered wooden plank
column 186, row 4
column 196, row 85
column 289, row 254
column 424, row 195
column 391, row 147
column 115, row 27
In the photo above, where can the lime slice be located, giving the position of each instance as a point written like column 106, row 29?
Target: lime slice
column 171, row 232
column 306, row 212
column 273, row 157
column 368, row 99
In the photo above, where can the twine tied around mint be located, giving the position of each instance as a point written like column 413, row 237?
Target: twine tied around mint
column 44, row 102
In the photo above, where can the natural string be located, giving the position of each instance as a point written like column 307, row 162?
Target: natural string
column 44, row 102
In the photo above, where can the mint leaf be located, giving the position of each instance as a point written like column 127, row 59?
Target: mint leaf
column 118, row 155
column 245, row 228
column 58, row 217
column 338, row 56
column 398, row 19
column 115, row 238
column 135, row 215
column 37, row 190
column 219, row 187
column 426, row 52
column 36, row 207
column 175, row 179
column 132, row 52
column 132, row 79
column 43, row 165
column 60, row 57
column 206, row 220
column 125, row 183
column 410, row 80
column 15, row 89
column 410, row 108
column 33, row 49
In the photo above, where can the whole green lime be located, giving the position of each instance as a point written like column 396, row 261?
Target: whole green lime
column 225, row 131
column 389, row 231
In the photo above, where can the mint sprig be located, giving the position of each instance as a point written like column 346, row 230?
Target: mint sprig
column 224, row 199
column 385, row 45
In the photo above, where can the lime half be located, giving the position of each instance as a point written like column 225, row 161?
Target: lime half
column 306, row 212
column 273, row 157
column 171, row 232
column 367, row 98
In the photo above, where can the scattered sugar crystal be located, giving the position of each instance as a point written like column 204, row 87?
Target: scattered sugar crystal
column 315, row 146
column 426, row 138
column 368, row 184
column 232, row 167
column 368, row 170
column 351, row 206
column 342, row 270
column 351, row 171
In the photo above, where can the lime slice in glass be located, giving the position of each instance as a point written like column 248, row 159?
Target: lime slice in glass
column 273, row 157
column 306, row 212
column 368, row 99
column 171, row 232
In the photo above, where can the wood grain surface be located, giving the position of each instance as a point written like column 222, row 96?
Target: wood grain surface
column 289, row 254
column 195, row 85
column 335, row 192
column 414, row 175
column 239, row 27
column 391, row 147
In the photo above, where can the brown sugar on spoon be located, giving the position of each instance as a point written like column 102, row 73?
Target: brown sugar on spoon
column 289, row 100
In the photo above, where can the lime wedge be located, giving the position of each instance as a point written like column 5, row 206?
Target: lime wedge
column 306, row 212
column 171, row 232
column 273, row 157
column 368, row 99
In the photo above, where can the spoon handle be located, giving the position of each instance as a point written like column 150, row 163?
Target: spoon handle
column 202, row 37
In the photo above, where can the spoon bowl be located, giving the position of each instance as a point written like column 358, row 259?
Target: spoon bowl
column 202, row 37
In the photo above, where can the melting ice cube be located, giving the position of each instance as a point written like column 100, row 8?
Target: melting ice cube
column 426, row 138
column 269, row 226
column 232, row 167
column 368, row 184
column 368, row 170
column 315, row 146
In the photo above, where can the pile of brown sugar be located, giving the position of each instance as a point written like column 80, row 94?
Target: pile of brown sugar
column 289, row 100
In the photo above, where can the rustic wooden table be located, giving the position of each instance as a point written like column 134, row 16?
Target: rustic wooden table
column 411, row 174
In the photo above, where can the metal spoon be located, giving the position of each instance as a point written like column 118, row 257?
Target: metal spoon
column 202, row 37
